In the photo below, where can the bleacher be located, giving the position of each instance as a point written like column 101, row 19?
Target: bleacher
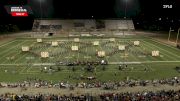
column 119, row 24
column 83, row 26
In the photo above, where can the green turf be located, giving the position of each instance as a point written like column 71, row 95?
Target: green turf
column 17, row 66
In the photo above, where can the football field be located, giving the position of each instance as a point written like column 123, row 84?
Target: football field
column 136, row 61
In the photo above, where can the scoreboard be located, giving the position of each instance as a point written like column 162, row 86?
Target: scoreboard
column 18, row 11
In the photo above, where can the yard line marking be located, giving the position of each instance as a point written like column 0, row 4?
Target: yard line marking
column 159, row 48
column 161, row 62
column 137, row 62
column 68, row 59
column 7, row 43
column 86, row 54
column 22, row 71
column 123, row 58
column 78, row 52
column 133, row 56
column 24, row 55
column 162, row 43
column 10, row 49
column 132, row 62
column 104, row 50
column 163, row 50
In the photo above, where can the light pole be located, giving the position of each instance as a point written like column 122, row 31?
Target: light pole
column 40, row 4
column 125, row 9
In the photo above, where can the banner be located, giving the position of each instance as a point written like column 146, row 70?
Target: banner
column 18, row 11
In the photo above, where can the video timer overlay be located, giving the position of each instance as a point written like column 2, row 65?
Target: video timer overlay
column 19, row 11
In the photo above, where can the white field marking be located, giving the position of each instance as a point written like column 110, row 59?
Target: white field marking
column 137, row 62
column 67, row 60
column 23, row 70
column 55, row 51
column 38, row 51
column 14, row 56
column 172, row 42
column 10, row 49
column 7, row 43
column 161, row 62
column 133, row 62
column 28, row 68
column 142, row 56
column 125, row 63
column 13, row 64
column 133, row 56
column 144, row 45
column 24, row 55
column 94, row 48
column 99, row 72
column 162, row 43
column 68, row 57
column 44, row 64
column 163, row 50
column 159, row 48
column 105, row 54
column 122, row 56
column 114, row 56
column 78, row 52
column 86, row 54
column 29, row 71
column 161, row 55
column 86, row 57
column 61, row 56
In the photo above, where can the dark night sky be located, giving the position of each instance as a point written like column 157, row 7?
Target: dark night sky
column 102, row 8
column 143, row 12
column 96, row 8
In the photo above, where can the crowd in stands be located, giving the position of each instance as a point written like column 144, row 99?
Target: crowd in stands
column 37, row 83
column 170, row 95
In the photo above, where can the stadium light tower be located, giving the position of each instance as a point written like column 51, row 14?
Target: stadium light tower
column 40, row 5
column 125, row 15
column 40, row 2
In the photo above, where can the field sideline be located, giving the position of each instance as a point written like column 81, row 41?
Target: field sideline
column 17, row 66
